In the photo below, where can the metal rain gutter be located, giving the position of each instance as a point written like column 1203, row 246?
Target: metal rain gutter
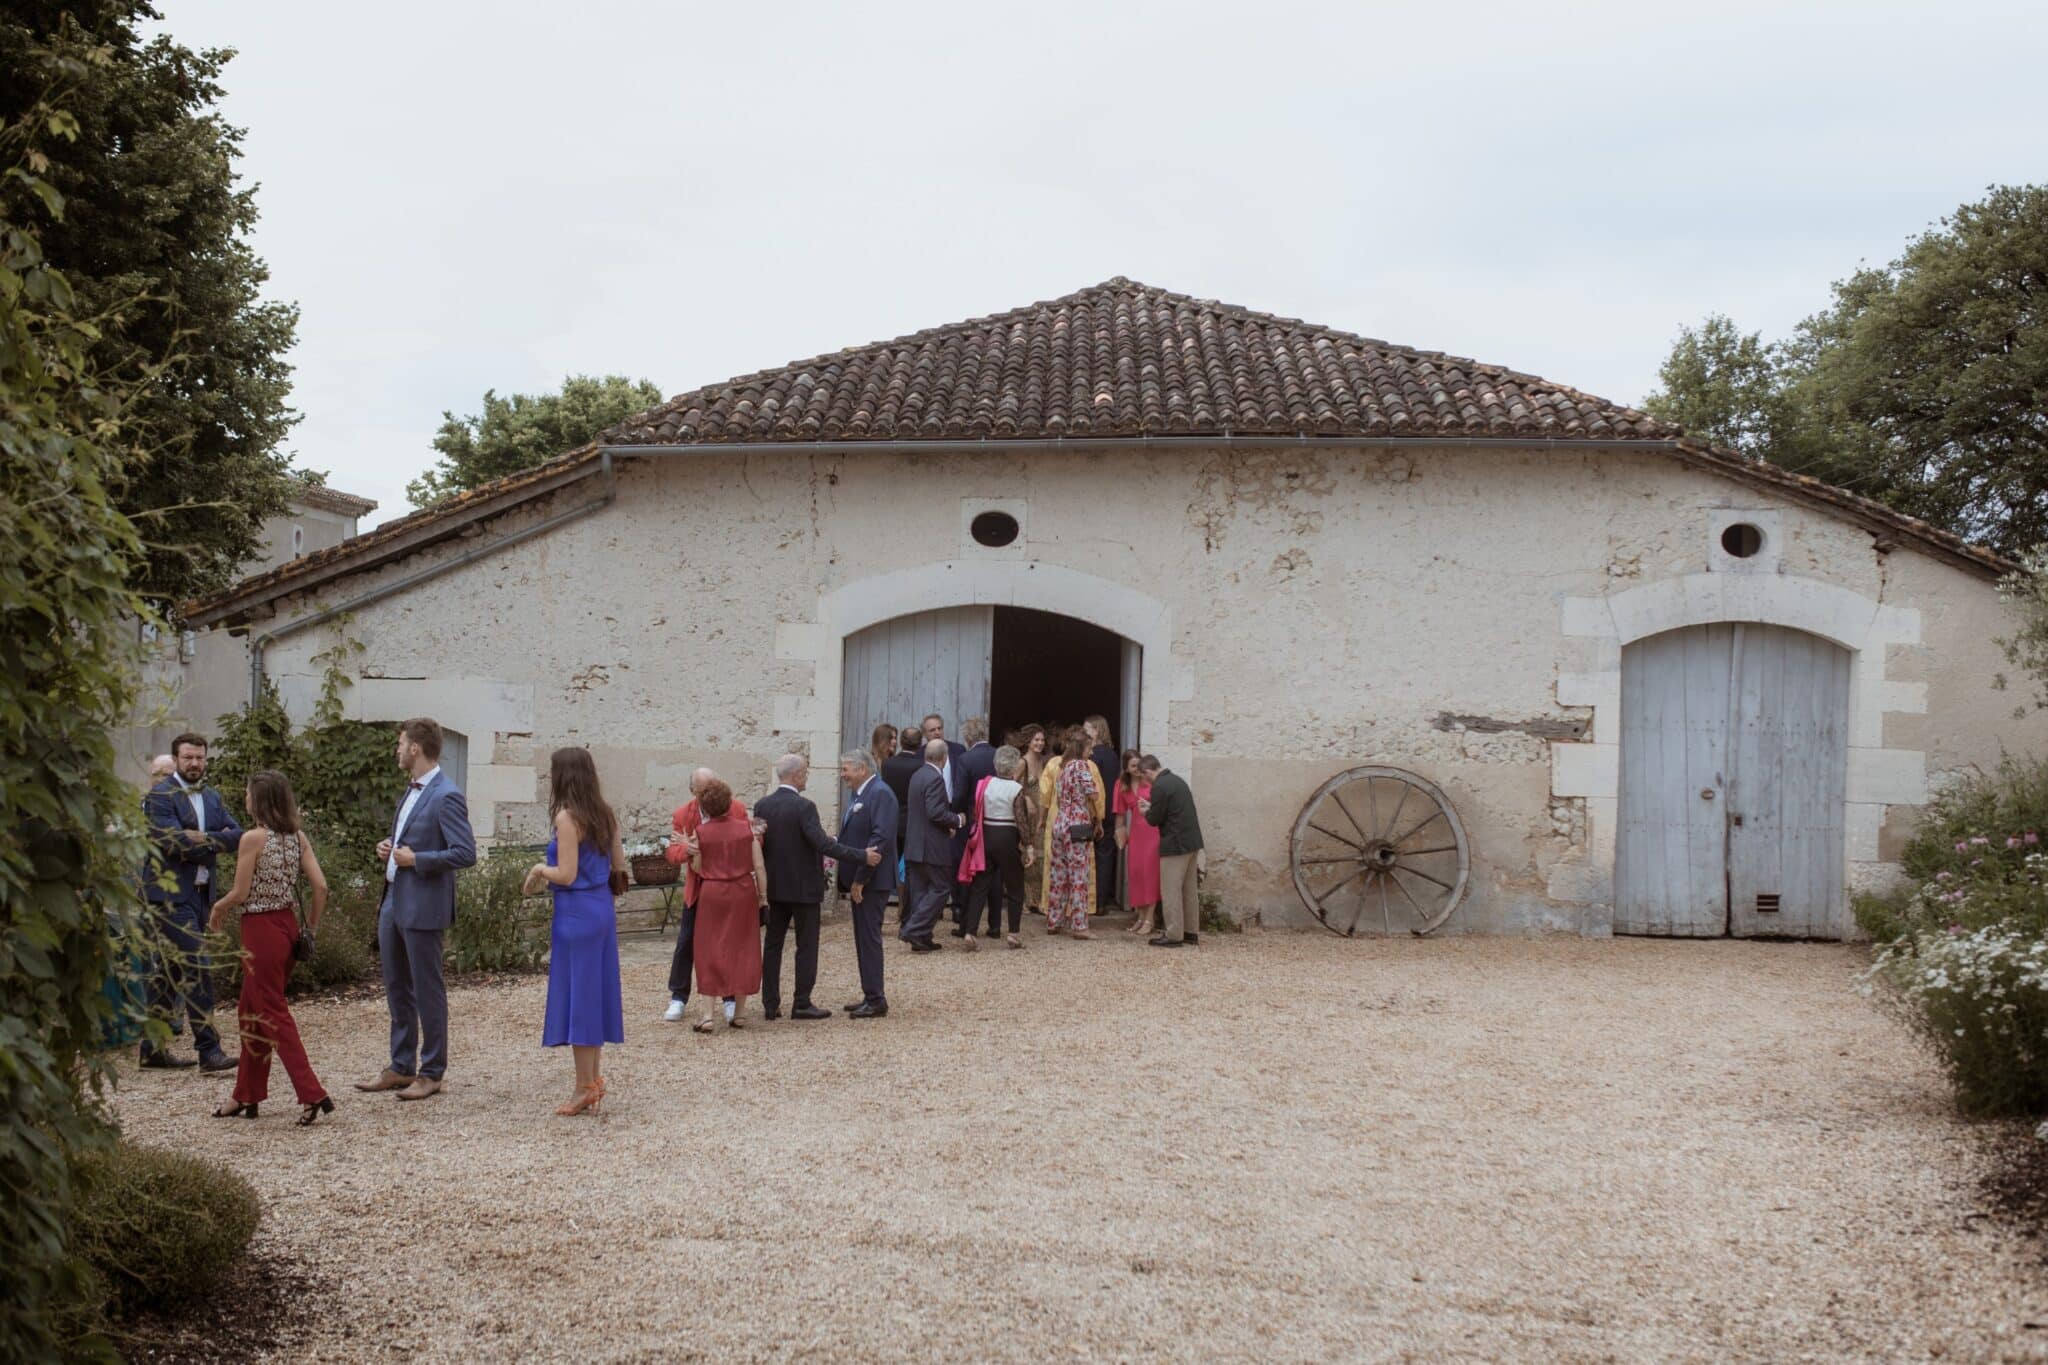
column 1234, row 439
column 258, row 643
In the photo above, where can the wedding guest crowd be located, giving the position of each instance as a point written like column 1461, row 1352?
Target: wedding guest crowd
column 989, row 832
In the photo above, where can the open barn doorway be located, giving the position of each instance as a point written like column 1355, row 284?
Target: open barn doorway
column 1057, row 670
column 1013, row 664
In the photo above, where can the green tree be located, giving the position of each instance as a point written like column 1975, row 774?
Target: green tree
column 154, row 242
column 519, row 432
column 68, row 843
column 1932, row 371
column 1924, row 385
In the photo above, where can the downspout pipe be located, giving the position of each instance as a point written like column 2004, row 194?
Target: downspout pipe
column 258, row 643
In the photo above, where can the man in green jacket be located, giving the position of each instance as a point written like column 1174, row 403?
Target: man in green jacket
column 1171, row 807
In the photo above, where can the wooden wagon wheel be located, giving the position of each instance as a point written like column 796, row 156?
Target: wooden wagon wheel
column 1379, row 839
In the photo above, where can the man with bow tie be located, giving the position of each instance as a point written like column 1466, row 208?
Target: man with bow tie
column 189, row 828
column 430, row 842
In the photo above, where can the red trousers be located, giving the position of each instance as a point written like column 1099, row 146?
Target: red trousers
column 266, row 1021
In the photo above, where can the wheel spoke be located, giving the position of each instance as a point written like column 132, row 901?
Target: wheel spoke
column 1336, row 886
column 1416, row 871
column 1372, row 805
column 1335, row 835
column 1386, row 915
column 1418, row 852
column 1395, row 818
column 1338, row 797
column 1406, row 897
column 1417, row 828
column 1347, row 858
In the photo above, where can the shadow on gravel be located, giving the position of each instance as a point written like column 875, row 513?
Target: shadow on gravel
column 269, row 1304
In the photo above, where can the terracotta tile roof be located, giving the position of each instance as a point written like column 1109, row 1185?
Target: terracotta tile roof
column 1125, row 359
column 1120, row 361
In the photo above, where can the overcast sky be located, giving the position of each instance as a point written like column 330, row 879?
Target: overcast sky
column 462, row 197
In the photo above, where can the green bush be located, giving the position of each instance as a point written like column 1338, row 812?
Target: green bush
column 1975, row 860
column 159, row 1228
column 341, row 950
column 492, row 931
column 1215, row 919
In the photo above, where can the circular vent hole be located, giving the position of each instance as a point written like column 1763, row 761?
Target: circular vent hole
column 1742, row 540
column 993, row 529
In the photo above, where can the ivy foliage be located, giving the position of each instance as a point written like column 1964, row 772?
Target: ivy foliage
column 342, row 771
column 69, row 845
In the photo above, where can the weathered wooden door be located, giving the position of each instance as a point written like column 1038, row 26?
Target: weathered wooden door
column 900, row 670
column 1733, row 760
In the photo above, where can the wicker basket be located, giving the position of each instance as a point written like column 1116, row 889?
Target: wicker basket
column 654, row 870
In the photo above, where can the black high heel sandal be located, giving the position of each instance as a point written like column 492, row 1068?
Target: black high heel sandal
column 235, row 1111
column 308, row 1113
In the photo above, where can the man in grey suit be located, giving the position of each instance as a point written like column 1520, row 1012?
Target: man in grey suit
column 931, row 821
column 430, row 841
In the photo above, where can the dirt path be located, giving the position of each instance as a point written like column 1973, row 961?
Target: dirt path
column 1282, row 1146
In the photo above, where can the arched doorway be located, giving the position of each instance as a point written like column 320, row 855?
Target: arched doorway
column 1734, row 758
column 1014, row 665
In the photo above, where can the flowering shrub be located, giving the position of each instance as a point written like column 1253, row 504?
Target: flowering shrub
column 1979, row 999
column 1964, row 955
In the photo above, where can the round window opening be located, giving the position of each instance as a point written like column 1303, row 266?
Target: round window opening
column 1742, row 540
column 993, row 529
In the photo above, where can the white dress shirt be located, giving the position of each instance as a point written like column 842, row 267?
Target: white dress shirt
column 198, row 799
column 412, row 798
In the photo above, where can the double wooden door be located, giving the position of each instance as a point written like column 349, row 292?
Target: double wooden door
column 1734, row 755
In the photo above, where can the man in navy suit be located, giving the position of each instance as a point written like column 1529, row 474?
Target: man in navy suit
column 189, row 828
column 430, row 841
column 970, row 766
column 792, row 849
column 935, row 729
column 928, row 858
column 870, row 823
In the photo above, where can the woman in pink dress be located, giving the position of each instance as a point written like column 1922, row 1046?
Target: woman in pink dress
column 1138, row 839
column 733, row 888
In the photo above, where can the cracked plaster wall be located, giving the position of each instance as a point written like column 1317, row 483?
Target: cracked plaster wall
column 1315, row 610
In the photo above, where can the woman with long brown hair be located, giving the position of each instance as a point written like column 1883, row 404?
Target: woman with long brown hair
column 1138, row 840
column 269, row 861
column 585, row 1008
column 882, row 744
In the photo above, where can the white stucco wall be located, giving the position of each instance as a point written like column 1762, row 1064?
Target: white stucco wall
column 1301, row 611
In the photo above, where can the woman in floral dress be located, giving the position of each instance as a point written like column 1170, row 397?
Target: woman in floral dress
column 1070, row 894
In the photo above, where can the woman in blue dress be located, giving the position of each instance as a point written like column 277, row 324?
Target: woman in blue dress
column 585, row 1009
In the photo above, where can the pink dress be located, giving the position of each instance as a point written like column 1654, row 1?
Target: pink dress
column 1141, row 851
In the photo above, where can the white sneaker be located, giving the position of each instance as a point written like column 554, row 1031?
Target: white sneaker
column 675, row 1013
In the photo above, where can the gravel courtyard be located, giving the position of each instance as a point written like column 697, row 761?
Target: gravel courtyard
column 1281, row 1146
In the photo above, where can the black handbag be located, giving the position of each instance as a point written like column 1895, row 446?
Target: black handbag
column 1080, row 834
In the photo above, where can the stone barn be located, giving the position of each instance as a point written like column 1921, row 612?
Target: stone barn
column 1624, row 681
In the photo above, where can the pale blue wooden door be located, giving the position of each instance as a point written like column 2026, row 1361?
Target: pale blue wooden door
column 1733, row 763
column 900, row 670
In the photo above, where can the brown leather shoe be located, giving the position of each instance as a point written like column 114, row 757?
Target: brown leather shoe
column 386, row 1080
column 421, row 1087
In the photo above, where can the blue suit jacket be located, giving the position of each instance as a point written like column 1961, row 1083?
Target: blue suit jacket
column 929, row 819
column 423, row 895
column 870, row 822
column 168, row 808
column 977, row 763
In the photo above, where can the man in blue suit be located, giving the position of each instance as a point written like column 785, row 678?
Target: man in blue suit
column 430, row 841
column 189, row 828
column 870, row 823
column 930, row 822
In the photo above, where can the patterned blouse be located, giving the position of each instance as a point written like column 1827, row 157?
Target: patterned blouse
column 277, row 875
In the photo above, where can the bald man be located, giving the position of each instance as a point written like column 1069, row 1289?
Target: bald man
column 686, row 820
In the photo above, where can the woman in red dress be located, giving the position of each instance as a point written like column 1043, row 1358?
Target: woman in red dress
column 733, row 887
